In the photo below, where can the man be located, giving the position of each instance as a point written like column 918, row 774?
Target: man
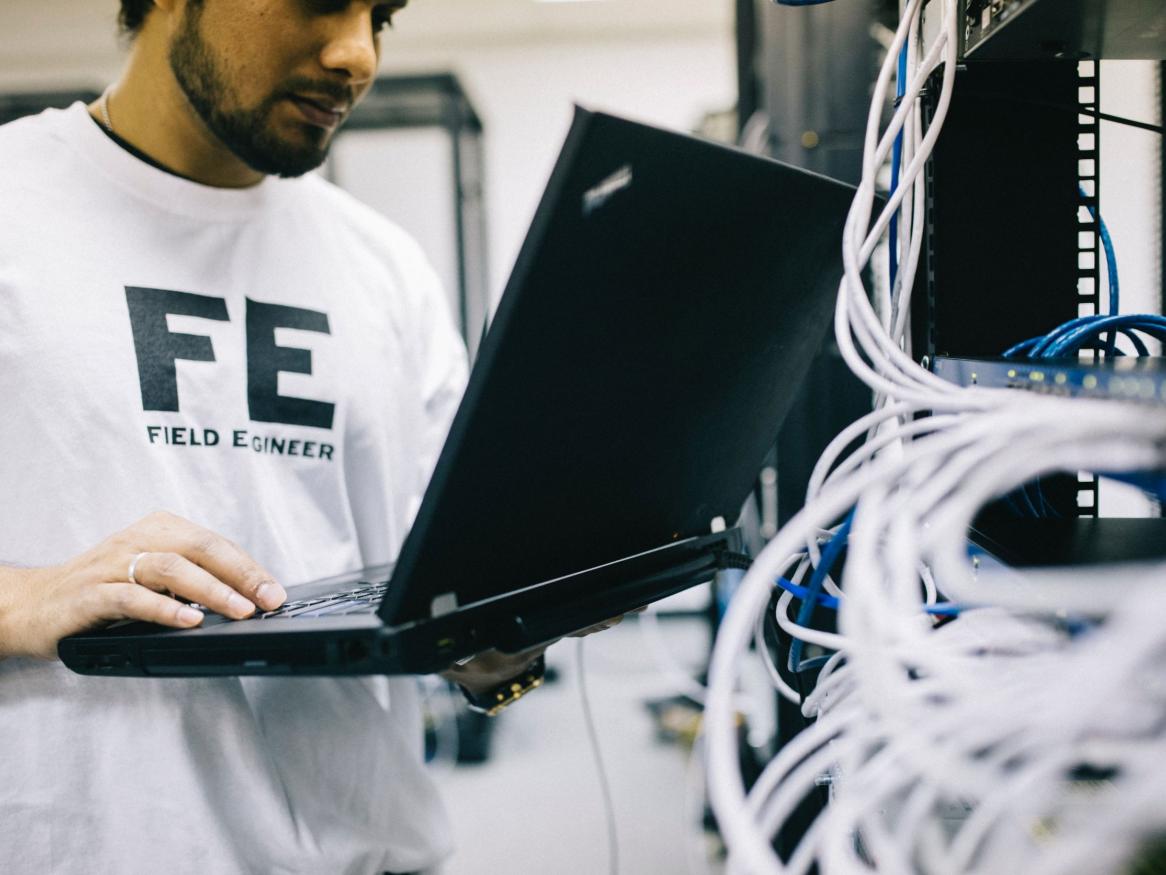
column 197, row 354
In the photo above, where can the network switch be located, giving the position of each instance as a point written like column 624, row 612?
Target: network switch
column 1130, row 379
column 1071, row 29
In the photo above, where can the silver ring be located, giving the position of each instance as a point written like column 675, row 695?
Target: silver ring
column 134, row 567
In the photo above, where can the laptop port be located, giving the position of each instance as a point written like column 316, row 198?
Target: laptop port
column 108, row 662
column 356, row 651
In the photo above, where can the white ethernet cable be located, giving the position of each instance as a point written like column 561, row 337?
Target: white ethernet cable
column 988, row 713
column 957, row 747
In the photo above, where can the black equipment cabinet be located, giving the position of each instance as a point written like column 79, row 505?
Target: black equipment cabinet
column 805, row 75
column 1000, row 258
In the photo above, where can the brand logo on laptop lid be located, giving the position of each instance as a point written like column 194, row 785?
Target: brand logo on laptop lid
column 596, row 197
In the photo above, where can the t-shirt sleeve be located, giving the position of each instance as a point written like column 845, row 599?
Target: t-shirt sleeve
column 444, row 370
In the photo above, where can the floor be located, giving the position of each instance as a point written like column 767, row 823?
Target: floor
column 536, row 806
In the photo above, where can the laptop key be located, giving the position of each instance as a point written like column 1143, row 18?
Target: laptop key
column 360, row 600
column 314, row 606
column 295, row 608
column 342, row 608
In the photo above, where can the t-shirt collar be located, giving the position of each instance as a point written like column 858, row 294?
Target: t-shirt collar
column 161, row 187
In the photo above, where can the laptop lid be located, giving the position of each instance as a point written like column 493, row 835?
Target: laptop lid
column 667, row 301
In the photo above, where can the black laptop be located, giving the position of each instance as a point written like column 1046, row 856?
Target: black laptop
column 667, row 302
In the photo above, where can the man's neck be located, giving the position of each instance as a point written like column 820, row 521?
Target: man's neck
column 148, row 111
column 98, row 119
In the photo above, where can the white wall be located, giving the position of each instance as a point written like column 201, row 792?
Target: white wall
column 1130, row 180
column 61, row 43
column 524, row 93
column 405, row 174
column 1130, row 186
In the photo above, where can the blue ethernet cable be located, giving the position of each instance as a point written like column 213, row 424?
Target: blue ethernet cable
column 811, row 596
column 825, row 600
column 1151, row 482
column 1093, row 343
column 1155, row 326
column 1110, row 265
column 1085, row 332
column 1110, row 257
column 896, row 169
column 1081, row 333
column 829, row 556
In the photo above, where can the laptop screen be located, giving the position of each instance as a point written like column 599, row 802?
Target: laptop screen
column 665, row 305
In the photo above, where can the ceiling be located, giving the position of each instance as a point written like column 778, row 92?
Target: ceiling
column 64, row 39
column 478, row 21
column 442, row 19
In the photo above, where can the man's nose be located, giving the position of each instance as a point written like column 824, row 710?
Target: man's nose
column 350, row 46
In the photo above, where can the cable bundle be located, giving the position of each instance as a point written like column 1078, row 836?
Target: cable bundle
column 953, row 747
column 1027, row 734
column 1086, row 333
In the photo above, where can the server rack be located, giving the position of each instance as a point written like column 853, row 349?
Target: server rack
column 1014, row 188
column 1011, row 186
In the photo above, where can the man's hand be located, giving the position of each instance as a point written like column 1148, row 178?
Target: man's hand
column 492, row 668
column 174, row 562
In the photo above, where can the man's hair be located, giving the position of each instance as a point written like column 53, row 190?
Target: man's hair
column 133, row 14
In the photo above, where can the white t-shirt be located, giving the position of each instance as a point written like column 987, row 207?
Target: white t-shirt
column 276, row 364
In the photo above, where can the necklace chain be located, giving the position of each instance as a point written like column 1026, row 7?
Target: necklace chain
column 103, row 105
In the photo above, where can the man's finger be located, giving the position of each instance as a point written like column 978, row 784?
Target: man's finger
column 125, row 601
column 172, row 573
column 221, row 557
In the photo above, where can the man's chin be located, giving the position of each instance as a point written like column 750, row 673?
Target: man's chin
column 285, row 160
column 292, row 170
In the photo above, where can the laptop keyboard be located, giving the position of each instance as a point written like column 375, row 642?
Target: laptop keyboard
column 362, row 598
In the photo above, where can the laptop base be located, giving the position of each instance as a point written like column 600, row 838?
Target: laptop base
column 362, row 645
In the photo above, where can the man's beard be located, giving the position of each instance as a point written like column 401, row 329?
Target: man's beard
column 246, row 132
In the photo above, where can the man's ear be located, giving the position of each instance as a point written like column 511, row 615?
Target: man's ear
column 165, row 13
